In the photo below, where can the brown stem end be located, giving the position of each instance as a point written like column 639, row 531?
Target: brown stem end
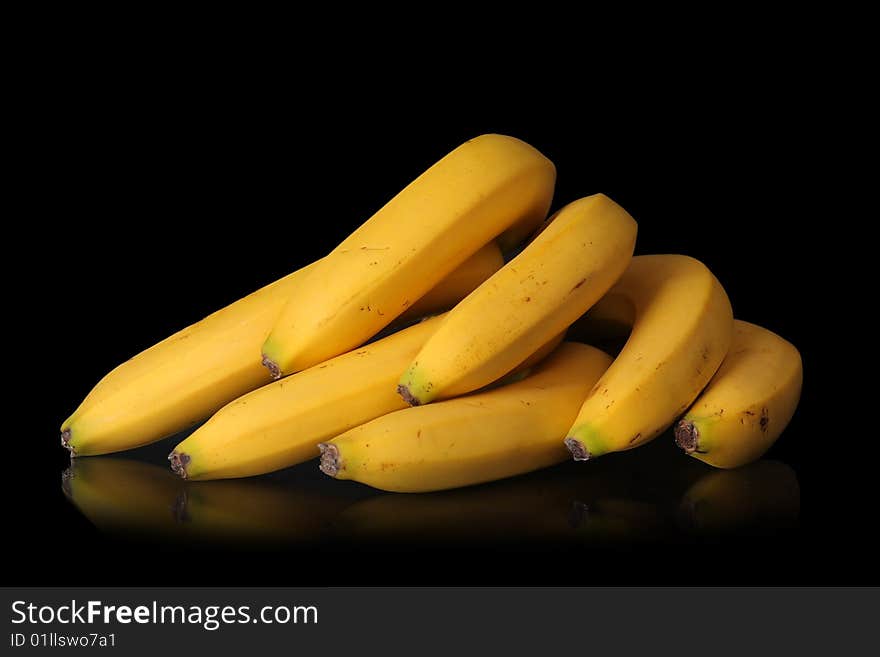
column 179, row 463
column 687, row 436
column 331, row 463
column 579, row 451
column 272, row 366
column 65, row 442
column 408, row 397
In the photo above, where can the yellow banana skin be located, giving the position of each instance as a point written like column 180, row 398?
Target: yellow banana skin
column 458, row 284
column 556, row 278
column 747, row 404
column 281, row 424
column 683, row 325
column 482, row 437
column 467, row 199
column 190, row 375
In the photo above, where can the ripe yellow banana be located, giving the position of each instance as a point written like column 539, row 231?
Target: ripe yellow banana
column 682, row 327
column 748, row 402
column 471, row 196
column 502, row 432
column 458, row 284
column 556, row 278
column 186, row 377
column 281, row 424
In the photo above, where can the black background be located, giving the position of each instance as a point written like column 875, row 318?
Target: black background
column 159, row 199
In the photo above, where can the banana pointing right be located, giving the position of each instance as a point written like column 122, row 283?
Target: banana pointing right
column 682, row 325
column 748, row 403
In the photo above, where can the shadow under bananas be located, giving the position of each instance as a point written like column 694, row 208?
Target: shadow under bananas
column 130, row 498
column 649, row 495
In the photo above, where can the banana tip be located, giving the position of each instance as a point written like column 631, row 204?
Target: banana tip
column 687, row 436
column 179, row 463
column 408, row 397
column 65, row 442
column 272, row 366
column 579, row 451
column 331, row 464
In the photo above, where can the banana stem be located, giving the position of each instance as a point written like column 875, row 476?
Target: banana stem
column 331, row 464
column 179, row 461
column 687, row 436
column 579, row 451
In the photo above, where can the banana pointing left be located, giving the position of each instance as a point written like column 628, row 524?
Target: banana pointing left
column 475, row 194
column 190, row 375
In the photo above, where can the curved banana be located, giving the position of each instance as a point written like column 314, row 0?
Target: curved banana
column 761, row 496
column 471, row 196
column 494, row 434
column 281, row 424
column 682, row 327
column 556, row 278
column 186, row 377
column 748, row 402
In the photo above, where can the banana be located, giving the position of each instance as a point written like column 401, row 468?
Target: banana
column 681, row 331
column 124, row 496
column 748, row 402
column 458, row 284
column 761, row 496
column 490, row 435
column 554, row 280
column 471, row 196
column 186, row 377
column 281, row 424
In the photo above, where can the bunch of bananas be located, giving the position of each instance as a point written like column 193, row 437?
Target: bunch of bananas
column 493, row 387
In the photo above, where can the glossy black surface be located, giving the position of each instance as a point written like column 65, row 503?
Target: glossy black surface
column 171, row 199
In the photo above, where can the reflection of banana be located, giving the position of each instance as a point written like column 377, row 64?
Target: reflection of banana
column 191, row 374
column 126, row 495
column 615, row 520
column 555, row 279
column 467, row 199
column 761, row 496
column 747, row 404
column 131, row 497
column 553, row 504
column 499, row 433
column 682, row 326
